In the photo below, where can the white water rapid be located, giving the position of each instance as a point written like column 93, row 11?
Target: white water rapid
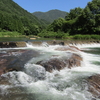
column 34, row 83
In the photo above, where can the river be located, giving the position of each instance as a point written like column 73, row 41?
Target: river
column 34, row 83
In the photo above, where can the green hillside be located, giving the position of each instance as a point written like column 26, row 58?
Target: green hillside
column 15, row 18
column 83, row 23
column 51, row 15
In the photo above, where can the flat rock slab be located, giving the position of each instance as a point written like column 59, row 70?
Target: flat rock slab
column 68, row 48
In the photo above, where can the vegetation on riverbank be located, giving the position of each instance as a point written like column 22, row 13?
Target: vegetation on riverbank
column 86, row 37
column 79, row 23
column 51, row 35
column 66, row 36
column 10, row 34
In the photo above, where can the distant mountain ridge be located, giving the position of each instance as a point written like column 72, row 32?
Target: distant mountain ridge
column 51, row 15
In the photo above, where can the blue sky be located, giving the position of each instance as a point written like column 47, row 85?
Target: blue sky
column 46, row 5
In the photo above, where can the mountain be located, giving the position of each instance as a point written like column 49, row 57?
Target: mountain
column 51, row 15
column 15, row 18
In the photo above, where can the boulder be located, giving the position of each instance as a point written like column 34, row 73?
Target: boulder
column 53, row 64
column 74, row 60
column 60, row 63
column 15, row 60
column 94, row 85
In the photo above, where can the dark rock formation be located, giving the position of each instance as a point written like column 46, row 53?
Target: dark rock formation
column 51, row 64
column 60, row 63
column 14, row 60
column 55, row 42
column 12, row 44
column 62, row 43
column 94, row 85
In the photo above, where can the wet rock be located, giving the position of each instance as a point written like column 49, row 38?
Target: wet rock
column 4, row 81
column 15, row 60
column 69, row 48
column 21, row 44
column 12, row 44
column 98, row 41
column 53, row 64
column 62, row 43
column 94, row 85
column 75, row 60
column 60, row 63
column 55, row 42
column 7, row 44
column 74, row 47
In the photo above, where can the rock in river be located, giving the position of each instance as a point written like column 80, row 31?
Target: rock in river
column 14, row 60
column 60, row 63
column 68, row 48
column 94, row 85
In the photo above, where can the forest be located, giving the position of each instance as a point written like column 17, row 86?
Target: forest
column 13, row 18
column 78, row 23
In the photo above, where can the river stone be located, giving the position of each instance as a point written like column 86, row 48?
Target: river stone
column 68, row 48
column 60, row 63
column 15, row 60
column 94, row 85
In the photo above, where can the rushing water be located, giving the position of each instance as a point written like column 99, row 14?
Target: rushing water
column 34, row 83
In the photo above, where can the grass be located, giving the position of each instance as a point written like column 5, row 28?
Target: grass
column 10, row 34
column 86, row 37
column 51, row 35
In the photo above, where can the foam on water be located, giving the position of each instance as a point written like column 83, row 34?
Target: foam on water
column 84, row 46
column 67, row 84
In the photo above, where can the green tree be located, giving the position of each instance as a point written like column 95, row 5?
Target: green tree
column 57, row 25
column 73, row 13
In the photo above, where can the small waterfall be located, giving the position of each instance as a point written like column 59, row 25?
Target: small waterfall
column 29, row 44
column 35, row 83
column 45, row 44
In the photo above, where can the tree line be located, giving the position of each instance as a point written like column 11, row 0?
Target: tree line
column 78, row 21
column 19, row 24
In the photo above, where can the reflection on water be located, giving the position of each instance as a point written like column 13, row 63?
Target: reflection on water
column 7, row 39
